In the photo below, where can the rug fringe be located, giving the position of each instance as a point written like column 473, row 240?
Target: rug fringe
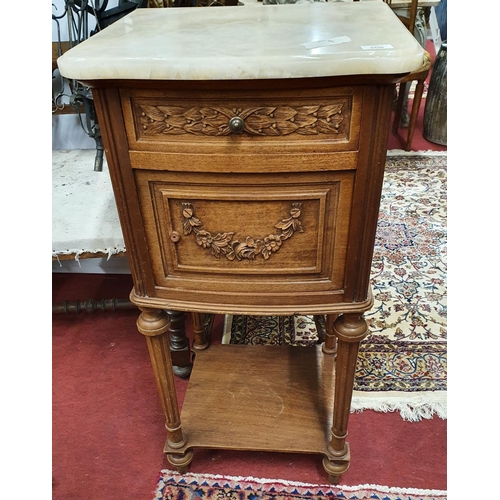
column 77, row 252
column 413, row 408
column 402, row 152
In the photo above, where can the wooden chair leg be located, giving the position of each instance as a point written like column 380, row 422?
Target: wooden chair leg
column 414, row 113
column 399, row 106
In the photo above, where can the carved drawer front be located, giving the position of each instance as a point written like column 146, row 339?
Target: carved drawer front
column 229, row 235
column 263, row 122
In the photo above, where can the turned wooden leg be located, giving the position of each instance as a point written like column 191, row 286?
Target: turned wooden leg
column 330, row 344
column 179, row 344
column 154, row 325
column 349, row 329
column 201, row 327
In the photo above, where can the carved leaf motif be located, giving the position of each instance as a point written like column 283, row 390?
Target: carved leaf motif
column 195, row 128
column 227, row 113
column 306, row 124
column 190, row 221
column 284, row 113
column 209, row 129
column 260, row 130
column 222, row 239
column 329, row 110
column 308, row 110
column 174, row 130
column 305, row 120
column 194, row 222
column 216, row 116
column 265, row 111
column 220, row 244
column 288, row 227
column 260, row 121
column 192, row 114
column 177, row 121
column 169, row 111
column 308, row 130
column 288, row 127
column 153, row 112
column 219, row 121
column 187, row 228
column 328, row 127
column 155, row 128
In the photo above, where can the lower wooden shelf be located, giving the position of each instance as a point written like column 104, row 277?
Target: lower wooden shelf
column 260, row 398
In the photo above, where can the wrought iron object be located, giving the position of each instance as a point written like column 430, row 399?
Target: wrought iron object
column 77, row 14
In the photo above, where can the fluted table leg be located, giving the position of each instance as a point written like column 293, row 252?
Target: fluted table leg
column 154, row 325
column 349, row 329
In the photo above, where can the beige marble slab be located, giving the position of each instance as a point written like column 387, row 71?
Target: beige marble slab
column 248, row 42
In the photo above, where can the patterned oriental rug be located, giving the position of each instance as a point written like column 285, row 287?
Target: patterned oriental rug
column 402, row 364
column 173, row 486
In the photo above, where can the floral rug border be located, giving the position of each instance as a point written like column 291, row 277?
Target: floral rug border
column 192, row 486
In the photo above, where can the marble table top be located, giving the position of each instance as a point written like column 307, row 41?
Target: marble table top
column 248, row 42
column 84, row 214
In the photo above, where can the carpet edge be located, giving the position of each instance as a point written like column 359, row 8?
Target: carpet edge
column 196, row 478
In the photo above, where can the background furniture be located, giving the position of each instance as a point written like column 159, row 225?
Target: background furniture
column 408, row 17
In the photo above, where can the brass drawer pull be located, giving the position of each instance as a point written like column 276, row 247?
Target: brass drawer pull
column 223, row 243
column 236, row 125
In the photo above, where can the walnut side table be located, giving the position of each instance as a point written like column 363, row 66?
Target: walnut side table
column 246, row 148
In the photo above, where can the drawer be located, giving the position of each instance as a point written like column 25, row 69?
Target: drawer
column 214, row 239
column 291, row 122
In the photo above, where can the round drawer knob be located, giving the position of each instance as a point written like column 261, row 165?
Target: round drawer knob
column 175, row 236
column 236, row 125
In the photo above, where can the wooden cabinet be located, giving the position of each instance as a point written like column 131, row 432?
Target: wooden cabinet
column 247, row 163
column 277, row 216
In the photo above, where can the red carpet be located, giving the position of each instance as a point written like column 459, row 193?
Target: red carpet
column 108, row 428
